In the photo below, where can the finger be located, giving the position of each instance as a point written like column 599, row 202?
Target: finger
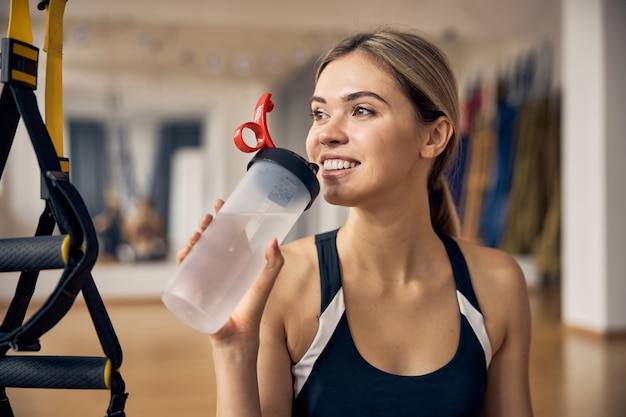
column 205, row 221
column 218, row 204
column 193, row 238
column 182, row 254
column 274, row 262
column 254, row 301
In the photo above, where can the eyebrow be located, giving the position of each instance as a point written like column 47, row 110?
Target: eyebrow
column 352, row 96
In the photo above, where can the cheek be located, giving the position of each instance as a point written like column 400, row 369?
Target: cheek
column 311, row 146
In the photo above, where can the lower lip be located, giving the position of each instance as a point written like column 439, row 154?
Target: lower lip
column 336, row 173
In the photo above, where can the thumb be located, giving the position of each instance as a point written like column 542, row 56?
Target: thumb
column 253, row 303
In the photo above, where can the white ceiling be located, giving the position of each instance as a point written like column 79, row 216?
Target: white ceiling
column 265, row 40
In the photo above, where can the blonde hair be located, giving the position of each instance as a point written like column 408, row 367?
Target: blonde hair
column 422, row 71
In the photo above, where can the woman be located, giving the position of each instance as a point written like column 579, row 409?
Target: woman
column 391, row 315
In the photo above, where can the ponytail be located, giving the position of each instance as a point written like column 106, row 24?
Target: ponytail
column 443, row 215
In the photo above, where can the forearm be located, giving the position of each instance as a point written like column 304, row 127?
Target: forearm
column 236, row 345
column 237, row 383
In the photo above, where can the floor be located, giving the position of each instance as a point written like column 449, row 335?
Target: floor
column 168, row 370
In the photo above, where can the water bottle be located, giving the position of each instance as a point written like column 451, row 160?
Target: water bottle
column 207, row 286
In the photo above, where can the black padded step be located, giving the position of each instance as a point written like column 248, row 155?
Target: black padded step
column 64, row 372
column 34, row 253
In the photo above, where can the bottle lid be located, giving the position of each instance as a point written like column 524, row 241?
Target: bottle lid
column 304, row 170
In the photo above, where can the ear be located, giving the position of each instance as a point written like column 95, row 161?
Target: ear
column 438, row 134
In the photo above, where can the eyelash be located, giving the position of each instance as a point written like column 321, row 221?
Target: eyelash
column 356, row 111
column 316, row 114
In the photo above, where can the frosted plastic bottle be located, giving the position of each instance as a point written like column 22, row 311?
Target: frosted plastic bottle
column 207, row 286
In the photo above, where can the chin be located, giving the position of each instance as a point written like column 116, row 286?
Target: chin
column 337, row 199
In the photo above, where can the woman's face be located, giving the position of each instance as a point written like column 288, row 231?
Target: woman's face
column 365, row 135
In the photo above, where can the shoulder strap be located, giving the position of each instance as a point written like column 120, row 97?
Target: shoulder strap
column 460, row 270
column 330, row 272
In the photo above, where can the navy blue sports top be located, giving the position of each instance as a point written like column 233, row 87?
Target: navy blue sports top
column 333, row 380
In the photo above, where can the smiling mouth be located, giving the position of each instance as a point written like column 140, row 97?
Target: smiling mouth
column 338, row 164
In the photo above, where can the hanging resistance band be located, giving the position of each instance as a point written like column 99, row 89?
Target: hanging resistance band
column 74, row 249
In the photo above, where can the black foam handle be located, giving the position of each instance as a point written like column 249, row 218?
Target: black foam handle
column 64, row 372
column 34, row 253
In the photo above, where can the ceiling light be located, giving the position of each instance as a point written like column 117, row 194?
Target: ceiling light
column 244, row 65
column 214, row 63
column 186, row 58
column 272, row 62
column 300, row 56
column 151, row 44
column 81, row 35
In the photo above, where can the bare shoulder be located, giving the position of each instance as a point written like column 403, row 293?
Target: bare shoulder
column 300, row 263
column 295, row 298
column 500, row 287
column 493, row 265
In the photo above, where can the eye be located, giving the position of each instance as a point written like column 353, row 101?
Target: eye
column 318, row 114
column 362, row 111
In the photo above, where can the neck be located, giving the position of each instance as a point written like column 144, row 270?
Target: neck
column 394, row 241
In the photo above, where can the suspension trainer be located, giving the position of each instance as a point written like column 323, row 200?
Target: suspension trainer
column 65, row 237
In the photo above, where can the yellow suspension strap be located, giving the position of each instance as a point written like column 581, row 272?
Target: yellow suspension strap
column 19, row 22
column 53, row 46
column 18, row 65
column 20, row 61
column 19, row 58
column 75, row 249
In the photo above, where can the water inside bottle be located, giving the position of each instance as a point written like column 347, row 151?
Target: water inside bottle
column 232, row 253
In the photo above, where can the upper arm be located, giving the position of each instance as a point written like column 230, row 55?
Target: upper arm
column 282, row 328
column 508, row 392
column 274, row 370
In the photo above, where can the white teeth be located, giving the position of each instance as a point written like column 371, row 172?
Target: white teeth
column 335, row 164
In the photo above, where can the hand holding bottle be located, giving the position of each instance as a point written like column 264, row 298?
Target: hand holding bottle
column 247, row 315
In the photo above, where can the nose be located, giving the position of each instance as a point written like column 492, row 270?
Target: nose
column 332, row 132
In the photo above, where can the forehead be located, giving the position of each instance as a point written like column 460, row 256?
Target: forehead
column 355, row 72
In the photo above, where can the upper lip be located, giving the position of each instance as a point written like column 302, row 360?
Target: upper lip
column 326, row 157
